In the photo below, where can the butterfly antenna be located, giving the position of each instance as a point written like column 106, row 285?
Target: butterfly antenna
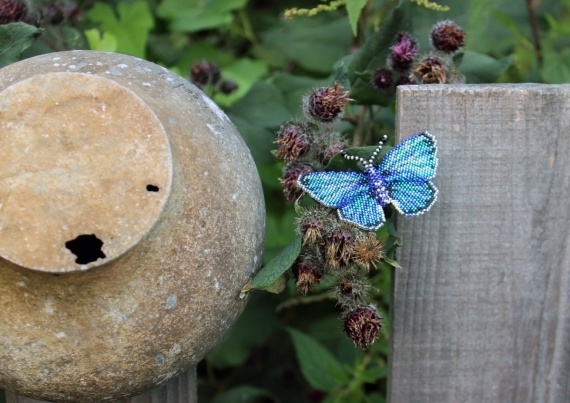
column 375, row 153
column 372, row 157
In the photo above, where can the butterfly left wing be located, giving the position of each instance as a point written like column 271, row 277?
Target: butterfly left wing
column 347, row 191
column 407, row 170
column 331, row 188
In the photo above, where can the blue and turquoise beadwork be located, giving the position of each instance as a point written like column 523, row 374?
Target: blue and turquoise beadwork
column 402, row 179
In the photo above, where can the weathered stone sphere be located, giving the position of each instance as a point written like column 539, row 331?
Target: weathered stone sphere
column 131, row 215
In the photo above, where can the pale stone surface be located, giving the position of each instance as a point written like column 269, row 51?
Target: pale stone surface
column 166, row 293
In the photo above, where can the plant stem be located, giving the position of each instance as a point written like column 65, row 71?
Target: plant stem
column 535, row 32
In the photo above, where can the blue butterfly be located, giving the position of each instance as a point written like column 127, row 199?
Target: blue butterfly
column 401, row 179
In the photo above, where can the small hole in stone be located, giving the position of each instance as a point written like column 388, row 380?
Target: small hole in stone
column 152, row 188
column 87, row 248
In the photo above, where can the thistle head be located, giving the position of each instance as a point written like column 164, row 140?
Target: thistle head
column 12, row 11
column 291, row 174
column 403, row 53
column 431, row 70
column 367, row 250
column 205, row 73
column 307, row 275
column 382, row 79
column 293, row 141
column 337, row 247
column 448, row 37
column 325, row 104
column 362, row 325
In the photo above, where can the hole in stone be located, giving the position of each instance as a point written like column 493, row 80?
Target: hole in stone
column 87, row 248
column 152, row 188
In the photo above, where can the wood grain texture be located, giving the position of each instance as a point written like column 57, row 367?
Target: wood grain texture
column 482, row 305
column 181, row 389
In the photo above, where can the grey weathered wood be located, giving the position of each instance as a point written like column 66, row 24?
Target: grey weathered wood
column 181, row 389
column 482, row 304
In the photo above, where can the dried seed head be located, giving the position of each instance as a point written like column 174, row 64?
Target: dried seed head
column 12, row 11
column 362, row 325
column 307, row 275
column 383, row 79
column 447, row 36
column 431, row 70
column 325, row 104
column 204, row 73
column 403, row 53
column 337, row 246
column 293, row 142
column 367, row 251
column 352, row 290
column 291, row 173
column 313, row 223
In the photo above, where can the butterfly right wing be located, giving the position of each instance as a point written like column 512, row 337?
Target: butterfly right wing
column 333, row 189
column 413, row 159
column 364, row 212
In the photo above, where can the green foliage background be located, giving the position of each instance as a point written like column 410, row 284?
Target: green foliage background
column 287, row 348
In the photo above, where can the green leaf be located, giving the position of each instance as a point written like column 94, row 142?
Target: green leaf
column 354, row 9
column 244, row 394
column 14, row 39
column 314, row 43
column 319, row 367
column 245, row 72
column 276, row 267
column 556, row 66
column 105, row 41
column 341, row 75
column 293, row 88
column 257, row 117
column 392, row 263
column 198, row 15
column 373, row 55
column 130, row 26
column 479, row 68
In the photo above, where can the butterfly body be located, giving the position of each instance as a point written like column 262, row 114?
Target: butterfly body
column 402, row 179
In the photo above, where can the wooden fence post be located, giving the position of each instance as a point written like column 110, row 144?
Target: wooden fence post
column 482, row 303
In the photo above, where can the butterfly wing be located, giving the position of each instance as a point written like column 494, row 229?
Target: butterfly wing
column 413, row 159
column 364, row 212
column 412, row 198
column 347, row 191
column 333, row 189
column 407, row 169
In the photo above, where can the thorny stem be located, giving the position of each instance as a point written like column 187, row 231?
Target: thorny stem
column 534, row 28
column 302, row 301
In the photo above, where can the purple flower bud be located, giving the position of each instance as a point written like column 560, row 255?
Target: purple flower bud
column 325, row 104
column 362, row 325
column 403, row 53
column 292, row 141
column 291, row 173
column 447, row 36
column 12, row 11
column 228, row 86
column 204, row 73
column 383, row 79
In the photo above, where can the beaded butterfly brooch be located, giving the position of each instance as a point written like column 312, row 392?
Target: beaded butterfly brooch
column 402, row 179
